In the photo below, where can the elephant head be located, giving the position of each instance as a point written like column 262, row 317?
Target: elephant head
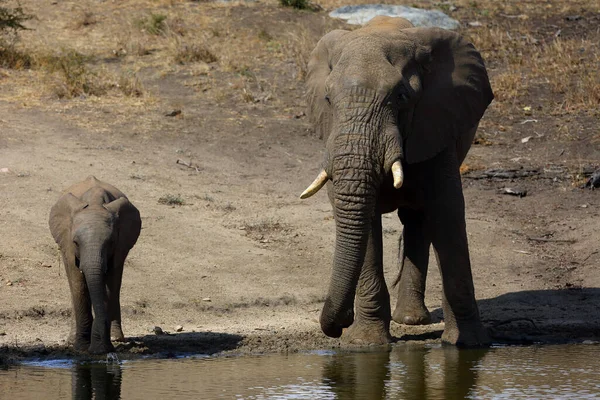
column 383, row 96
column 90, row 230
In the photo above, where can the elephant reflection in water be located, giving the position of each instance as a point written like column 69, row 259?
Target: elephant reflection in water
column 404, row 373
column 96, row 381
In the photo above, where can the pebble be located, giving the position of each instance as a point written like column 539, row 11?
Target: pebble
column 206, row 299
column 158, row 330
column 589, row 342
column 178, row 328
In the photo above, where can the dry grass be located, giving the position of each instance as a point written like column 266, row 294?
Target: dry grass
column 186, row 53
column 13, row 58
column 130, row 85
column 265, row 230
column 572, row 70
column 69, row 74
column 171, row 200
column 253, row 60
column 300, row 44
column 542, row 66
column 84, row 19
column 153, row 23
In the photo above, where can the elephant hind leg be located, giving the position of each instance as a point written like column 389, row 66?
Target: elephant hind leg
column 414, row 260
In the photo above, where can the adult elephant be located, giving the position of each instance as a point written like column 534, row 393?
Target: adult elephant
column 392, row 101
column 95, row 226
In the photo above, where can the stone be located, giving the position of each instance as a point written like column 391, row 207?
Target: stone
column 158, row 330
column 178, row 328
column 361, row 14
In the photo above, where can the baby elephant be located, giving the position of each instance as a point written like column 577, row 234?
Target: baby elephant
column 95, row 226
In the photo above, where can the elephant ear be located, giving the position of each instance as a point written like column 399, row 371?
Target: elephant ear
column 456, row 92
column 319, row 67
column 61, row 218
column 128, row 221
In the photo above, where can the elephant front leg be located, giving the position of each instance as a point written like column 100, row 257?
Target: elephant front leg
column 82, row 308
column 113, row 290
column 414, row 260
column 372, row 316
column 445, row 210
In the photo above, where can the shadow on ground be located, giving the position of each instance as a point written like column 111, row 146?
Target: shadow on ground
column 549, row 316
column 167, row 345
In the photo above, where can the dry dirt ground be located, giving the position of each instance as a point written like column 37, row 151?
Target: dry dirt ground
column 227, row 249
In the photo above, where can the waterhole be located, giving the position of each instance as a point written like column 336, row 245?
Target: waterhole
column 405, row 372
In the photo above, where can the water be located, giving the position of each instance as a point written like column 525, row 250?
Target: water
column 407, row 372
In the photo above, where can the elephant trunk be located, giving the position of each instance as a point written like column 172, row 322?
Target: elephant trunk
column 354, row 198
column 93, row 266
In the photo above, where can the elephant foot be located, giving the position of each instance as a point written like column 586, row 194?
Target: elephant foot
column 411, row 312
column 101, row 348
column 79, row 344
column 469, row 334
column 116, row 333
column 367, row 333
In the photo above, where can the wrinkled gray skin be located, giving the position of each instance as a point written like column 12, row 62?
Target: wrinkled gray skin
column 95, row 226
column 379, row 94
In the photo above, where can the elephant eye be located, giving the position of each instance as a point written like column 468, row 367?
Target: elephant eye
column 402, row 94
column 327, row 99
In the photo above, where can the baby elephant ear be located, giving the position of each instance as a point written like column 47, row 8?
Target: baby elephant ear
column 456, row 92
column 319, row 68
column 128, row 220
column 61, row 218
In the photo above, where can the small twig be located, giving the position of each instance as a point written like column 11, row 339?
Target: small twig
column 527, row 121
column 510, row 16
column 591, row 254
column 551, row 240
column 189, row 165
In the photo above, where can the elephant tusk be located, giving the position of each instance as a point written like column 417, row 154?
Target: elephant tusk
column 317, row 184
column 398, row 174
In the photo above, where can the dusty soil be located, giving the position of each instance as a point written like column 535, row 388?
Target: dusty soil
column 243, row 264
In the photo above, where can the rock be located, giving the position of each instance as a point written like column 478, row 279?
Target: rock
column 361, row 14
column 207, row 299
column 594, row 181
column 589, row 342
column 158, row 330
column 526, row 139
column 514, row 192
column 173, row 113
column 573, row 17
column 178, row 328
column 46, row 265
